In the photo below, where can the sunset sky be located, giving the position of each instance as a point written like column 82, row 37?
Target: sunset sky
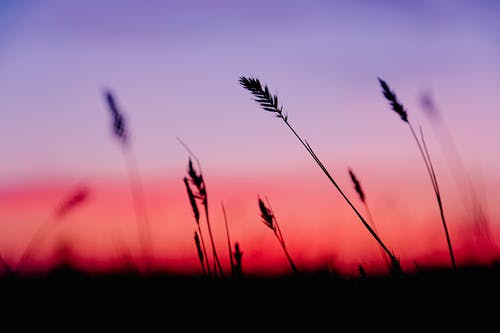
column 173, row 67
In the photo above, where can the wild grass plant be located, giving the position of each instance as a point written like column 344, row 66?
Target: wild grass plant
column 121, row 133
column 424, row 152
column 269, row 103
column 269, row 219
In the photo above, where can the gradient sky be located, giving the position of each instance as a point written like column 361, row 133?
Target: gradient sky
column 174, row 69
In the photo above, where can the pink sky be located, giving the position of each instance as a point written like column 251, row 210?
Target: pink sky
column 174, row 69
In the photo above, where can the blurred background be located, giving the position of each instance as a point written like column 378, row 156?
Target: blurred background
column 173, row 67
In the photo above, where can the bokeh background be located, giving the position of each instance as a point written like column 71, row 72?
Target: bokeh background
column 174, row 67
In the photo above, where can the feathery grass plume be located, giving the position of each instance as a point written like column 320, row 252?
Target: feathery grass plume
column 121, row 133
column 269, row 219
column 459, row 171
column 75, row 199
column 200, row 252
column 357, row 186
column 192, row 201
column 427, row 104
column 391, row 97
column 398, row 108
column 118, row 128
column 231, row 261
column 269, row 103
column 197, row 180
column 238, row 271
column 362, row 198
column 266, row 215
column 201, row 194
column 196, row 214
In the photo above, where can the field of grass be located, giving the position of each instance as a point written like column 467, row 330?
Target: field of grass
column 439, row 288
column 319, row 296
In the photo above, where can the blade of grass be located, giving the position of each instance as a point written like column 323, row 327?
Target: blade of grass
column 269, row 219
column 139, row 203
column 399, row 109
column 196, row 214
column 199, row 182
column 358, row 188
column 231, row 261
column 270, row 103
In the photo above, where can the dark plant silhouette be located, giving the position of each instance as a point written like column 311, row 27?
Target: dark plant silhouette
column 238, row 271
column 362, row 198
column 362, row 272
column 75, row 199
column 119, row 130
column 196, row 179
column 417, row 266
column 231, row 260
column 269, row 103
column 269, row 219
column 196, row 214
column 399, row 109
column 458, row 169
column 200, row 252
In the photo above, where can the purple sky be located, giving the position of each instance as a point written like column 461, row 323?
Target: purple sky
column 174, row 66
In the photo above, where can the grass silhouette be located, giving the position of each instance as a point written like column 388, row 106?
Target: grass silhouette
column 399, row 109
column 196, row 190
column 269, row 103
column 196, row 179
column 362, row 198
column 231, row 259
column 459, row 171
column 121, row 133
column 269, row 219
column 202, row 250
column 75, row 199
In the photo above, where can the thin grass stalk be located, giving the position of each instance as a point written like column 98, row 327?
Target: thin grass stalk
column 281, row 239
column 209, row 271
column 371, row 220
column 200, row 252
column 399, row 109
column 417, row 266
column 119, row 128
column 387, row 260
column 450, row 149
column 439, row 200
column 217, row 264
column 269, row 219
column 34, row 242
column 75, row 199
column 456, row 164
column 202, row 195
column 270, row 103
column 231, row 261
column 139, row 204
column 432, row 175
column 283, row 245
column 196, row 214
column 394, row 261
